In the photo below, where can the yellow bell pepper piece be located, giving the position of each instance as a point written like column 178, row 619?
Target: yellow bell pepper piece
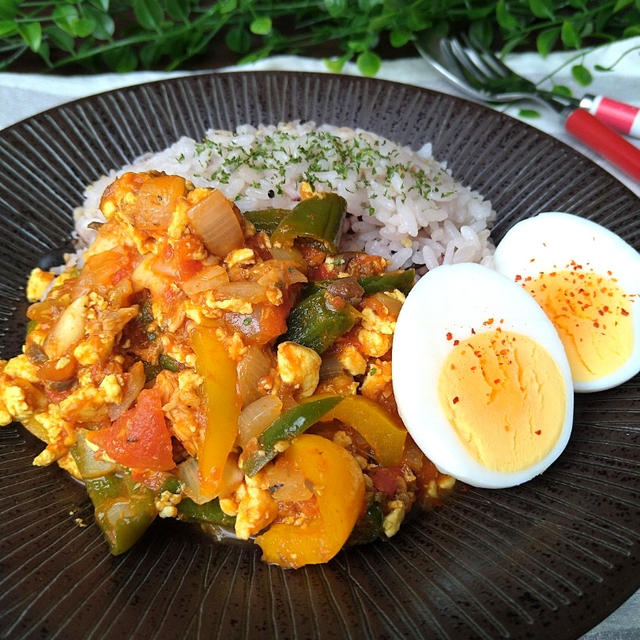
column 384, row 434
column 223, row 406
column 338, row 484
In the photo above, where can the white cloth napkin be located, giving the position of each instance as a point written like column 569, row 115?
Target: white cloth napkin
column 23, row 95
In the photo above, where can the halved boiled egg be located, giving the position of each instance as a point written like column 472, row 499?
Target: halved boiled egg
column 480, row 377
column 587, row 280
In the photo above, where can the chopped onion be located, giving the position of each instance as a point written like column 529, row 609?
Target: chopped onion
column 254, row 365
column 134, row 383
column 210, row 277
column 190, row 478
column 69, row 329
column 391, row 304
column 330, row 367
column 215, row 221
column 256, row 417
column 243, row 290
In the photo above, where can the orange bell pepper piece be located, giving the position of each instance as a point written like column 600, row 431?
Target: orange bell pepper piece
column 383, row 433
column 338, row 485
column 223, row 406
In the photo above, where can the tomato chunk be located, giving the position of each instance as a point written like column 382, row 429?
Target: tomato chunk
column 139, row 438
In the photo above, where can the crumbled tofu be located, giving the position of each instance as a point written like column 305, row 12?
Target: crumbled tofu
column 97, row 301
column 352, row 360
column 299, row 367
column 256, row 510
column 240, row 256
column 373, row 322
column 111, row 389
column 373, row 343
column 179, row 222
column 38, row 283
column 392, row 521
column 166, row 503
column 377, row 380
column 229, row 304
column 14, row 401
column 21, row 367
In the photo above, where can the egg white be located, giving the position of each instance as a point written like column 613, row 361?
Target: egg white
column 550, row 241
column 456, row 299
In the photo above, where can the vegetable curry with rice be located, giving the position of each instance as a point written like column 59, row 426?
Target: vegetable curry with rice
column 225, row 368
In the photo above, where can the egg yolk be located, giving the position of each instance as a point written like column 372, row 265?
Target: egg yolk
column 505, row 397
column 592, row 316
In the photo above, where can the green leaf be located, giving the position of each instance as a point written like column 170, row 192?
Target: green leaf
column 227, row 6
column 149, row 54
column 64, row 15
column 505, row 19
column 100, row 4
column 562, row 90
column 481, row 33
column 60, row 38
column 417, row 20
column 621, row 4
column 400, row 37
column 529, row 113
column 9, row 9
column 368, row 63
column 238, row 39
column 149, row 14
column 177, row 9
column 82, row 27
column 475, row 13
column 335, row 8
column 8, row 28
column 260, row 26
column 104, row 25
column 31, row 33
column 367, row 5
column 121, row 60
column 630, row 32
column 335, row 65
column 542, row 8
column 581, row 75
column 546, row 40
column 569, row 35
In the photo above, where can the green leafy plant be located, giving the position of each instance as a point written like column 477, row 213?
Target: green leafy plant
column 123, row 35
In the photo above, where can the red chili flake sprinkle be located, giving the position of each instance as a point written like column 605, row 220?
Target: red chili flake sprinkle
column 449, row 335
column 488, row 322
column 456, row 400
column 518, row 278
column 624, row 312
column 532, row 260
column 553, row 274
column 473, row 331
column 453, row 366
column 496, row 381
column 538, row 432
column 596, row 324
column 528, row 279
column 609, row 273
column 456, row 343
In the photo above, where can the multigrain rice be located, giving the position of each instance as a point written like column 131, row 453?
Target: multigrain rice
column 402, row 204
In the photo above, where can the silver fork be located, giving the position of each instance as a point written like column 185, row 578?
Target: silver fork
column 484, row 77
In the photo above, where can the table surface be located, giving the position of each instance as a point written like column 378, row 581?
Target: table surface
column 24, row 94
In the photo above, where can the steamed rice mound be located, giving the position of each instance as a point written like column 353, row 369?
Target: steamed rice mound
column 402, row 204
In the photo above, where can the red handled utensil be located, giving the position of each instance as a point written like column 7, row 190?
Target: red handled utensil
column 484, row 77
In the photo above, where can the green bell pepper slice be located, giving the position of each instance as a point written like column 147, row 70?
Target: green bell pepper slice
column 266, row 219
column 284, row 429
column 207, row 513
column 401, row 280
column 316, row 324
column 319, row 218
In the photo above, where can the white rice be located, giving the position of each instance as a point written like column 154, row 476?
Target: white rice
column 402, row 204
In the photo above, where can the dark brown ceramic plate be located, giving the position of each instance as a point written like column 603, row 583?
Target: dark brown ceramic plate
column 547, row 559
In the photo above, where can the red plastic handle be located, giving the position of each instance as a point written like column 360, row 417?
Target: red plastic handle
column 622, row 117
column 605, row 141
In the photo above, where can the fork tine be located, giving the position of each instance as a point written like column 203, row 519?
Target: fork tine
column 489, row 58
column 471, row 71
